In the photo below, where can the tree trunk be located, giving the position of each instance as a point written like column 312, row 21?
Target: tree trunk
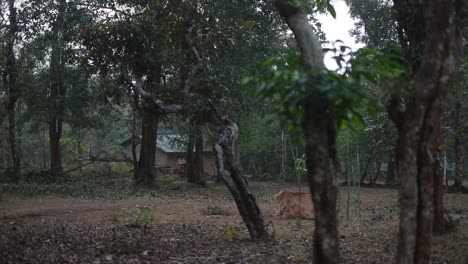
column 418, row 123
column 323, row 169
column 369, row 159
column 231, row 174
column 57, row 92
column 391, row 173
column 11, row 71
column 441, row 221
column 377, row 173
column 146, row 171
column 323, row 166
column 198, row 168
column 55, row 132
column 189, row 156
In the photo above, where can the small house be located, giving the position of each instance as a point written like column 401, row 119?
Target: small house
column 171, row 153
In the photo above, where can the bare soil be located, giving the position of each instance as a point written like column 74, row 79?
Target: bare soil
column 202, row 225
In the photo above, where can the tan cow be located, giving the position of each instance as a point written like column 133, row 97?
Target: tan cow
column 294, row 204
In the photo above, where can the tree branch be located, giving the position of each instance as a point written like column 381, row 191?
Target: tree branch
column 156, row 104
column 308, row 43
column 195, row 68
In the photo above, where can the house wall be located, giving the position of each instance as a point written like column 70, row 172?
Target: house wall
column 175, row 160
column 209, row 164
column 162, row 159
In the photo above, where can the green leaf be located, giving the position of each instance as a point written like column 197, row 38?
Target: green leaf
column 331, row 9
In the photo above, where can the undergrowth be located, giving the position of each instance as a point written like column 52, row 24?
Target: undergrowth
column 91, row 185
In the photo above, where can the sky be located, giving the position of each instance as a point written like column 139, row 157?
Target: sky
column 338, row 29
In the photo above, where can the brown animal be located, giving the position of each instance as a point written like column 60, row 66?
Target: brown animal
column 294, row 204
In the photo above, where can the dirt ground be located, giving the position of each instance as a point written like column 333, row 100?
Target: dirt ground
column 188, row 224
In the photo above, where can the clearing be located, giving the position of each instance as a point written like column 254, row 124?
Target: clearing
column 188, row 224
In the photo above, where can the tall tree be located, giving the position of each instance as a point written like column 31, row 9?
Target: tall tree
column 320, row 133
column 10, row 79
column 432, row 32
column 57, row 89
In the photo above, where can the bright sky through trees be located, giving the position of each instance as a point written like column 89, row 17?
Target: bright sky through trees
column 338, row 29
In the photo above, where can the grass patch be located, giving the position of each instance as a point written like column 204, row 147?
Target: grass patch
column 87, row 185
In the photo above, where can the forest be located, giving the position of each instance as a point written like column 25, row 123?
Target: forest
column 202, row 131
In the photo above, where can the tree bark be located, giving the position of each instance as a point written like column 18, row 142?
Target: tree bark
column 146, row 170
column 391, row 173
column 441, row 221
column 320, row 129
column 369, row 159
column 377, row 173
column 418, row 123
column 11, row 71
column 198, row 170
column 55, row 133
column 57, row 92
column 231, row 174
column 189, row 156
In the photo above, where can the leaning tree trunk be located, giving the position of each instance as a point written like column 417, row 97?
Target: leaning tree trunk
column 146, row 170
column 323, row 166
column 418, row 124
column 231, row 174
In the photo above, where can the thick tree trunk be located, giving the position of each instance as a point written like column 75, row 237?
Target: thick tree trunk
column 146, row 171
column 323, row 167
column 441, row 221
column 231, row 174
column 11, row 72
column 197, row 176
column 418, row 124
column 57, row 93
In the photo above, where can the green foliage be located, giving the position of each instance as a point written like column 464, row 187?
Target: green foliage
column 285, row 81
column 375, row 23
column 325, row 5
column 230, row 232
column 141, row 216
column 167, row 178
column 301, row 165
column 260, row 144
column 91, row 185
